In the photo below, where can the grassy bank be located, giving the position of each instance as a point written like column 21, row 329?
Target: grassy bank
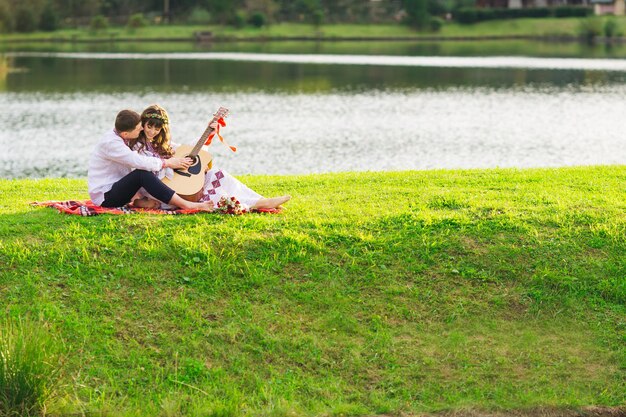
column 545, row 27
column 374, row 293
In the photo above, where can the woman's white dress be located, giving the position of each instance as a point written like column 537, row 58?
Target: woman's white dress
column 217, row 184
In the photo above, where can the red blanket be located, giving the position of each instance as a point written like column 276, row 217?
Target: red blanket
column 87, row 208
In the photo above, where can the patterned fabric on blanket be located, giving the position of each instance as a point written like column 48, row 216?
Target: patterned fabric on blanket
column 87, row 208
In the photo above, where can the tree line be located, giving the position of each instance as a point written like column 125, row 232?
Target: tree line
column 50, row 15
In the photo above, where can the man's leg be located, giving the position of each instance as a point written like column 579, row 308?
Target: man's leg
column 123, row 190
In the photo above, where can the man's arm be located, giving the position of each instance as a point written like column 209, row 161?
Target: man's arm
column 117, row 151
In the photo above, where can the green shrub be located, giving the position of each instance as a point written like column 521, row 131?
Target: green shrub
column 238, row 19
column 99, row 22
column 487, row 14
column 317, row 17
column 610, row 28
column 137, row 21
column 257, row 19
column 435, row 24
column 25, row 20
column 572, row 11
column 199, row 16
column 29, row 367
column 466, row 15
column 469, row 15
column 589, row 28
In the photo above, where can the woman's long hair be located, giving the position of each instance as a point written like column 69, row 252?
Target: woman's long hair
column 155, row 116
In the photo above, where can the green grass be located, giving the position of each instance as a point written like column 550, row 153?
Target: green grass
column 29, row 367
column 375, row 293
column 545, row 27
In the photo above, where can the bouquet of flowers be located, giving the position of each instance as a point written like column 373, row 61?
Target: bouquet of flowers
column 230, row 205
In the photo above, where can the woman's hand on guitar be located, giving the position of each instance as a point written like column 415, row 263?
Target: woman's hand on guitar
column 179, row 163
column 213, row 125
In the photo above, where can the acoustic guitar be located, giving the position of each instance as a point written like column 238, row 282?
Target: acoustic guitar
column 188, row 183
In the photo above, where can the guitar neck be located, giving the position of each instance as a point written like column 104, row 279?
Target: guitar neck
column 196, row 149
column 221, row 113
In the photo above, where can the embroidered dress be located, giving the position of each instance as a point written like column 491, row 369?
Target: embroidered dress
column 217, row 184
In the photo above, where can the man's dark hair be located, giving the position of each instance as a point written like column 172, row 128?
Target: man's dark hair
column 127, row 120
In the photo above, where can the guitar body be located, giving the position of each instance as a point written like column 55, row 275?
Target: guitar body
column 189, row 183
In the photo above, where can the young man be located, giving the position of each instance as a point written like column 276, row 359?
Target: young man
column 116, row 172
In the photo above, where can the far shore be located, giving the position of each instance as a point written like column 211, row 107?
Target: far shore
column 302, row 38
column 547, row 29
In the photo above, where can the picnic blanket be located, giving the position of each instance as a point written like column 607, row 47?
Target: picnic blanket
column 88, row 208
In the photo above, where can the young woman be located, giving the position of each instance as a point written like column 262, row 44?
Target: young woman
column 116, row 173
column 155, row 140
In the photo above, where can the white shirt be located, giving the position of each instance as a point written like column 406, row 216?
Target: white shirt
column 111, row 161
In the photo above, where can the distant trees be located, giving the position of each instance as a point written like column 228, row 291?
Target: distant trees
column 49, row 19
column 6, row 24
column 417, row 13
column 223, row 12
column 28, row 15
column 31, row 15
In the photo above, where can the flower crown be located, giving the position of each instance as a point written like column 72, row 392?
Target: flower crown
column 157, row 116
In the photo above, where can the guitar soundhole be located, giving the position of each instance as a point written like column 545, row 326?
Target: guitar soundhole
column 197, row 165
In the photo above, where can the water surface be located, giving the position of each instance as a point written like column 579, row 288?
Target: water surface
column 307, row 113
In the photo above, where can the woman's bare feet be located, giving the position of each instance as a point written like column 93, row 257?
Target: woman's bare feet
column 180, row 202
column 274, row 202
column 146, row 203
column 203, row 206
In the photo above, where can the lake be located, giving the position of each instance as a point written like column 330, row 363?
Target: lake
column 322, row 107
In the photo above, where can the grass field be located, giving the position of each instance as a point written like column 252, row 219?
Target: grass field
column 374, row 293
column 545, row 27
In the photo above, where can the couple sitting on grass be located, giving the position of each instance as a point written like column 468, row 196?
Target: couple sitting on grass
column 128, row 163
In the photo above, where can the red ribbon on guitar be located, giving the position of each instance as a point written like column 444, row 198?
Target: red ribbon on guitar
column 220, row 122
